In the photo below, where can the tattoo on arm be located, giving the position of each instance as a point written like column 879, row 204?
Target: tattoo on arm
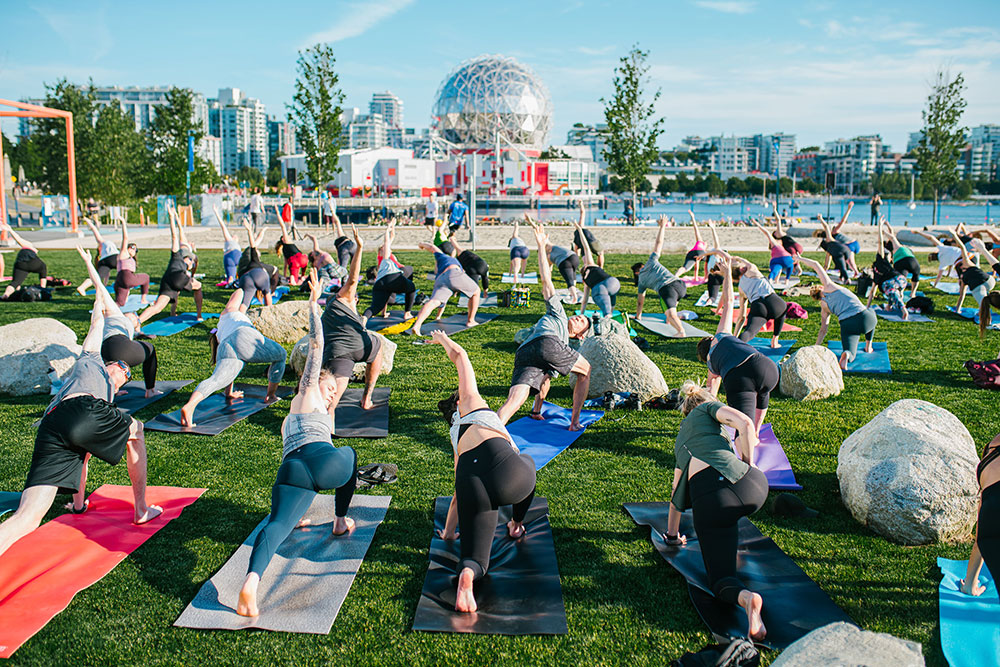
column 314, row 358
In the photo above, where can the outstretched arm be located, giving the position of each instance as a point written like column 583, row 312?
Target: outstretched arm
column 843, row 220
column 726, row 318
column 763, row 230
column 826, row 229
column 588, row 256
column 455, row 244
column 338, row 229
column 102, row 299
column 17, row 238
column 309, row 398
column 225, row 230
column 966, row 257
column 930, row 237
column 95, row 337
column 544, row 271
column 821, row 273
column 387, row 239
column 284, row 230
column 777, row 218
column 715, row 236
column 182, row 240
column 175, row 243
column 658, row 244
column 94, row 231
column 694, row 223
column 312, row 237
column 516, row 223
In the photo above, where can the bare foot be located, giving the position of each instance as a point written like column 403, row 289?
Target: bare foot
column 152, row 511
column 303, row 523
column 367, row 403
column 407, row 315
column 470, row 323
column 270, row 398
column 515, row 529
column 415, row 331
column 81, row 291
column 752, row 603
column 247, row 605
column 465, row 601
column 234, row 396
column 150, row 393
column 343, row 525
column 869, row 348
column 121, row 392
column 187, row 412
column 775, row 343
column 575, row 426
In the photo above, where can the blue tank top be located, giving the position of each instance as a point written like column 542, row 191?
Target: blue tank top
column 727, row 353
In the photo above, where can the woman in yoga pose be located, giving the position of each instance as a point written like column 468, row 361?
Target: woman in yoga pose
column 654, row 276
column 235, row 343
column 720, row 487
column 296, row 261
column 856, row 320
column 519, row 252
column 946, row 253
column 759, row 301
column 584, row 240
column 597, row 282
column 309, row 463
column 489, row 472
column 836, row 251
column 450, row 278
column 344, row 245
column 231, row 251
column 781, row 260
column 986, row 548
column 903, row 259
column 107, row 254
column 27, row 261
column 475, row 266
column 253, row 276
column 126, row 278
column 177, row 278
column 326, row 267
column 975, row 280
column 791, row 246
column 568, row 263
column 693, row 257
column 852, row 245
column 389, row 280
column 748, row 375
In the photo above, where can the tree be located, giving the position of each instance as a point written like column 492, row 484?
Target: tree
column 810, row 185
column 809, row 149
column 963, row 190
column 120, row 161
column 168, row 139
column 49, row 138
column 736, row 187
column 943, row 138
column 315, row 112
column 666, row 186
column 632, row 130
column 714, row 186
column 251, row 176
column 754, row 185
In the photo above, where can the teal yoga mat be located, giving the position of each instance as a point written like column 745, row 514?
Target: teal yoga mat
column 168, row 326
column 873, row 362
column 970, row 626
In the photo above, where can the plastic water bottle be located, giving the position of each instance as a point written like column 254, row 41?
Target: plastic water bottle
column 55, row 381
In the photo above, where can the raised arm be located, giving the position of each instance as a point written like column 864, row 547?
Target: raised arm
column 94, row 231
column 95, row 337
column 17, row 238
column 181, row 239
column 658, row 244
column 843, row 220
column 930, row 237
column 222, row 224
column 338, row 229
column 763, row 230
column 726, row 317
column 777, row 222
column 309, row 398
column 715, row 236
column 966, row 257
column 821, row 273
column 284, row 230
column 103, row 298
column 826, row 229
column 387, row 239
column 516, row 223
column 350, row 287
column 544, row 271
column 312, row 237
column 588, row 256
column 175, row 243
column 468, row 390
column 694, row 223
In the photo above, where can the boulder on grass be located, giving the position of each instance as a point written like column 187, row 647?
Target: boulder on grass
column 284, row 322
column 297, row 359
column 909, row 474
column 30, row 349
column 846, row 644
column 618, row 365
column 812, row 373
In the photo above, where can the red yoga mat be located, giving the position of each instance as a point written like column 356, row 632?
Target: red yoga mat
column 41, row 572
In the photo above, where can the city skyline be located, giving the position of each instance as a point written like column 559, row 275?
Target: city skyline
column 833, row 73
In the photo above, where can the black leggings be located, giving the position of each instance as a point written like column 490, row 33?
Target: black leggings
column 318, row 466
column 125, row 280
column 749, row 385
column 133, row 353
column 568, row 268
column 988, row 531
column 478, row 270
column 22, row 269
column 908, row 265
column 486, row 477
column 717, row 505
column 385, row 287
column 714, row 283
column 840, row 262
column 105, row 266
column 671, row 293
column 253, row 281
column 345, row 251
column 771, row 307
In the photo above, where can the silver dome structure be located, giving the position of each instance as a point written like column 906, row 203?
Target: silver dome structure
column 488, row 94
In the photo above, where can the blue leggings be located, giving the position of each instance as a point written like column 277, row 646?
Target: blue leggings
column 781, row 265
column 605, row 294
column 231, row 261
column 318, row 466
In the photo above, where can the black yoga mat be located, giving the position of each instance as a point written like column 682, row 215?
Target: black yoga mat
column 350, row 421
column 134, row 398
column 378, row 323
column 521, row 593
column 214, row 415
column 794, row 605
column 453, row 324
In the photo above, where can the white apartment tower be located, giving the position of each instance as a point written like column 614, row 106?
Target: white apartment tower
column 243, row 130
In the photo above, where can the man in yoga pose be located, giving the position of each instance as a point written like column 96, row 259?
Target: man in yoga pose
column 856, row 320
column 490, row 471
column 946, row 253
column 986, row 548
column 546, row 351
column 309, row 462
column 654, row 276
column 458, row 214
column 474, row 266
column 82, row 421
column 450, row 278
column 389, row 280
column 177, row 278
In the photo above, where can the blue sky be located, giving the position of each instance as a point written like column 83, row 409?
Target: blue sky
column 819, row 69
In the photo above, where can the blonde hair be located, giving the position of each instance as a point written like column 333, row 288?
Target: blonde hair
column 693, row 394
column 816, row 292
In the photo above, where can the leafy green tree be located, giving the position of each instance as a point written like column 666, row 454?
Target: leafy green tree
column 810, row 185
column 943, row 138
column 666, row 185
column 273, row 177
column 735, row 187
column 250, row 176
column 755, row 185
column 683, row 183
column 809, row 149
column 785, row 184
column 632, row 128
column 963, row 190
column 315, row 112
column 714, row 186
column 49, row 138
column 168, row 139
column 645, row 186
column 120, row 161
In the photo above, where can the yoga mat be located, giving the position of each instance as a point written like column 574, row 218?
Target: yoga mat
column 350, row 421
column 519, row 595
column 970, row 626
column 545, row 439
column 168, row 326
column 305, row 583
column 967, row 313
column 704, row 302
column 393, row 318
column 893, row 316
column 455, row 323
column 134, row 398
column 873, row 362
column 776, row 354
column 491, row 301
column 531, row 278
column 276, row 295
column 949, row 288
column 687, row 314
column 9, row 500
column 133, row 303
column 793, row 604
column 768, row 326
column 772, row 461
column 214, row 415
column 616, row 315
column 45, row 569
column 657, row 323
column 785, row 284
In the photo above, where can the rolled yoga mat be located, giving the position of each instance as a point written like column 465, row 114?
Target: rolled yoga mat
column 134, row 398
column 970, row 626
column 305, row 584
column 519, row 595
column 350, row 421
column 214, row 415
column 545, row 439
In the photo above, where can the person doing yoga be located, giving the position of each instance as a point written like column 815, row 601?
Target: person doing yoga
column 519, row 252
column 489, row 472
column 747, row 375
column 584, row 237
column 235, row 343
column 946, row 253
column 27, row 261
column 79, row 422
column 126, row 277
column 782, row 261
column 973, row 279
column 450, row 278
column 474, row 266
column 903, row 259
column 389, row 280
column 841, row 237
column 326, row 267
column 654, row 276
column 231, row 250
column 597, row 282
column 791, row 246
column 253, row 276
column 986, row 547
column 107, row 258
column 889, row 281
column 856, row 320
column 692, row 260
column 296, row 261
column 720, row 487
column 309, row 463
column 119, row 332
column 344, row 245
column 346, row 342
column 759, row 300
column 566, row 261
column 177, row 278
column 836, row 252
column 546, row 353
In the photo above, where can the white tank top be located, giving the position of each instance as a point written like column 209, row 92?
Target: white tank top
column 486, row 419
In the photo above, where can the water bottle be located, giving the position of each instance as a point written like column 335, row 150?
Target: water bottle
column 55, row 381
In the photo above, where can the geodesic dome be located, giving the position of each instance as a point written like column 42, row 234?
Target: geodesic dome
column 492, row 93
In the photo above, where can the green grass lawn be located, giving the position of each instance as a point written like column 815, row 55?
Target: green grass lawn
column 623, row 603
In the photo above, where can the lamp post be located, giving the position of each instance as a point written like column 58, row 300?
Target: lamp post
column 190, row 137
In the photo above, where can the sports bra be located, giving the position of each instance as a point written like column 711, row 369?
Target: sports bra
column 482, row 417
column 990, row 457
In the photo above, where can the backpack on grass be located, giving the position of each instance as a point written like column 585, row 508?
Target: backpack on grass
column 985, row 374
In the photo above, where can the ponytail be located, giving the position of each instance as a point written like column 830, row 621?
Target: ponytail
column 692, row 395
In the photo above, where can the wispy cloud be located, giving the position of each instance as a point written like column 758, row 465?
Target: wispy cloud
column 356, row 19
column 728, row 6
column 85, row 28
column 596, row 51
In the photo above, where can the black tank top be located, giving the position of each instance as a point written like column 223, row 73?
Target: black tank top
column 990, row 457
column 594, row 275
column 973, row 276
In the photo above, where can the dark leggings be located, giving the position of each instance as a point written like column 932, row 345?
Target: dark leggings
column 568, row 268
column 486, row 477
column 714, row 284
column 318, row 466
column 840, row 262
column 853, row 328
column 253, row 281
column 478, row 270
column 126, row 280
column 133, row 353
column 105, row 266
column 771, row 307
column 717, row 505
column 671, row 293
column 749, row 385
column 385, row 287
column 988, row 531
column 908, row 265
column 22, row 269
column 345, row 251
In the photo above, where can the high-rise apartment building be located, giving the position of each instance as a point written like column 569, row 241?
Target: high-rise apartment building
column 389, row 107
column 280, row 137
column 242, row 123
column 594, row 136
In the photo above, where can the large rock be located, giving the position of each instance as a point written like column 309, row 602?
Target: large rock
column 909, row 474
column 297, row 359
column 29, row 349
column 846, row 644
column 618, row 365
column 284, row 322
column 812, row 373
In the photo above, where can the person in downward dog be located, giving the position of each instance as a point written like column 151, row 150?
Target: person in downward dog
column 389, row 280
column 760, row 302
column 451, row 278
column 107, row 258
column 489, row 472
column 856, row 319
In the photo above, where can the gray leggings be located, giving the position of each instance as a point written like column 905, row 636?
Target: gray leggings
column 979, row 293
column 853, row 328
column 246, row 345
column 605, row 295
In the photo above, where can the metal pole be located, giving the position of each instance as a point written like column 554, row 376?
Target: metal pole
column 71, row 163
column 3, row 190
column 472, row 201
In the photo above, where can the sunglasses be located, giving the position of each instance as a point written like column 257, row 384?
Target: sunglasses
column 125, row 369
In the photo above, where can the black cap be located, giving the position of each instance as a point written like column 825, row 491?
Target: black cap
column 787, row 505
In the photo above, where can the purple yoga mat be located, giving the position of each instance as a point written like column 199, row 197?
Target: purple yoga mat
column 771, row 459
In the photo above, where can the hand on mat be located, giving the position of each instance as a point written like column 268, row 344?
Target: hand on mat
column 678, row 541
column 443, row 536
column 975, row 590
column 234, row 395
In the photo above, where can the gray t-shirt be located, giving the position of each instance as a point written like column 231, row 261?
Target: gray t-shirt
column 553, row 323
column 653, row 275
column 559, row 254
column 88, row 376
column 755, row 288
column 842, row 303
column 117, row 326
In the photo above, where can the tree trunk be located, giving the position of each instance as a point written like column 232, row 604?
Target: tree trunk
column 934, row 211
column 635, row 208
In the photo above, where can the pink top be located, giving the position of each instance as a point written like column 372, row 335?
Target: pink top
column 700, row 245
column 778, row 250
column 126, row 264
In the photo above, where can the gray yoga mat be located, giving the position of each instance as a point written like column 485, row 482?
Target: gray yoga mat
column 350, row 421
column 491, row 301
column 215, row 414
column 305, row 584
column 949, row 288
column 134, row 398
column 528, row 278
column 455, row 323
column 658, row 325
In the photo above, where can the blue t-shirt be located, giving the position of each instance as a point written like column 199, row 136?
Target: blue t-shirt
column 443, row 261
column 456, row 212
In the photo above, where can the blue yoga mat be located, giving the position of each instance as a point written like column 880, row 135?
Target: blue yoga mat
column 776, row 354
column 967, row 313
column 865, row 362
column 893, row 316
column 9, row 500
column 281, row 291
column 544, row 440
column 970, row 626
column 168, row 326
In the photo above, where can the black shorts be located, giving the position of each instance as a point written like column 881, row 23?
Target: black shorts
column 429, row 221
column 343, row 366
column 672, row 292
column 172, row 284
column 541, row 357
column 74, row 428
